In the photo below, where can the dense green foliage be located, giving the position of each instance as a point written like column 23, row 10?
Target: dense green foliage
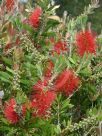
column 50, row 71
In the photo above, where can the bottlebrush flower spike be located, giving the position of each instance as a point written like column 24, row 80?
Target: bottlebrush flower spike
column 40, row 85
column 10, row 111
column 66, row 82
column 34, row 19
column 49, row 69
column 86, row 42
column 42, row 103
column 9, row 4
column 60, row 47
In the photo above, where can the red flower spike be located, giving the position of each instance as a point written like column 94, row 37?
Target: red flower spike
column 42, row 103
column 60, row 47
column 66, row 82
column 9, row 5
column 86, row 42
column 40, row 85
column 10, row 111
column 49, row 69
column 34, row 19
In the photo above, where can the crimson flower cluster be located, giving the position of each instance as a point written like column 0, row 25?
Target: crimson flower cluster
column 40, row 85
column 11, row 113
column 43, row 97
column 34, row 18
column 67, row 82
column 86, row 42
column 42, row 102
column 49, row 69
column 9, row 4
column 60, row 47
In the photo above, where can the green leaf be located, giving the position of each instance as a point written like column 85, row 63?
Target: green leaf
column 57, row 129
column 21, row 98
column 4, row 121
column 25, row 82
column 66, row 104
column 7, row 60
column 5, row 75
column 39, row 70
column 5, row 80
column 9, row 70
column 71, row 60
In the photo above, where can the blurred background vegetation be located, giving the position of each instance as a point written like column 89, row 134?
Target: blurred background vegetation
column 75, row 7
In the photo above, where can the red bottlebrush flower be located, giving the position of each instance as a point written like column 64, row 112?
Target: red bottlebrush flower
column 66, row 82
column 49, row 69
column 34, row 19
column 42, row 103
column 10, row 111
column 9, row 5
column 85, row 42
column 40, row 85
column 60, row 47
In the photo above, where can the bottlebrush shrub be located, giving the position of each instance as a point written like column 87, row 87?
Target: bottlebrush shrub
column 50, row 72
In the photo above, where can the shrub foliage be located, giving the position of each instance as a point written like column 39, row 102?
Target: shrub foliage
column 50, row 71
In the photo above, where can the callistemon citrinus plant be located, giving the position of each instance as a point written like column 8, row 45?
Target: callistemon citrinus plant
column 50, row 71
